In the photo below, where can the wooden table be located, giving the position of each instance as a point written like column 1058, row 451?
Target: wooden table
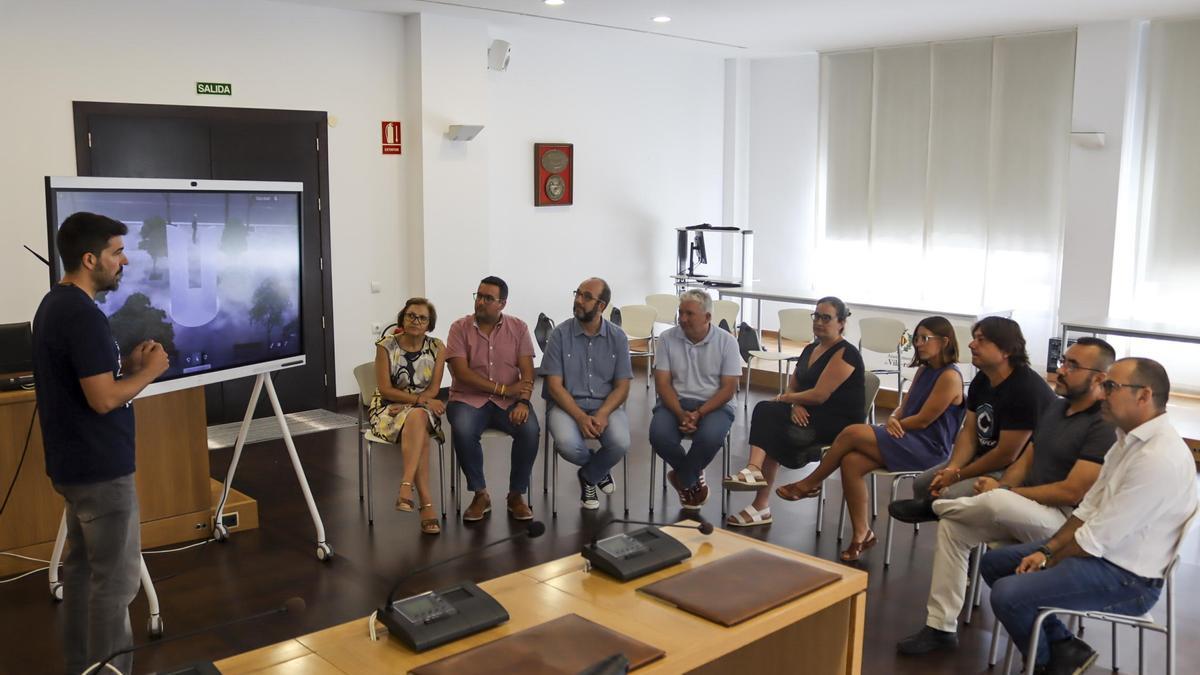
column 821, row 632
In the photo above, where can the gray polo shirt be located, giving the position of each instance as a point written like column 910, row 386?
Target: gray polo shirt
column 588, row 364
column 697, row 368
column 1059, row 441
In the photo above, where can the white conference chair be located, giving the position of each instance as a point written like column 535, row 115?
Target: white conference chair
column 638, row 323
column 884, row 335
column 794, row 325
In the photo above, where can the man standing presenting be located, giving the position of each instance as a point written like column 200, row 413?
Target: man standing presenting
column 490, row 355
column 587, row 373
column 84, row 395
column 696, row 372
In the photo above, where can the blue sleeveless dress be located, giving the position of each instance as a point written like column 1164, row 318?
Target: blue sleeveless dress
column 922, row 449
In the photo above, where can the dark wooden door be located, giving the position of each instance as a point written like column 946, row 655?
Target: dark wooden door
column 147, row 141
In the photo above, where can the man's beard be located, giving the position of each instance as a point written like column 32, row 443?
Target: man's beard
column 1076, row 393
column 105, row 285
column 586, row 317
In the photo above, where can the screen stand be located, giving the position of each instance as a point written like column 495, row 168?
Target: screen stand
column 220, row 531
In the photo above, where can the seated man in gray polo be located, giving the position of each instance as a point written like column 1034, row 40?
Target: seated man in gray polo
column 696, row 370
column 587, row 373
column 1034, row 496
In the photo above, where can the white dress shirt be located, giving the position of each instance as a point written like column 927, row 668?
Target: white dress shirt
column 1146, row 491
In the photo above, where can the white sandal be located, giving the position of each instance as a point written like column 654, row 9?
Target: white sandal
column 749, row 517
column 746, row 480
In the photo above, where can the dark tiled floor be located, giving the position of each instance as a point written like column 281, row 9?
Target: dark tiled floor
column 259, row 570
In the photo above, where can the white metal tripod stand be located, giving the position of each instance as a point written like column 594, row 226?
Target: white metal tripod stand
column 220, row 531
column 154, row 626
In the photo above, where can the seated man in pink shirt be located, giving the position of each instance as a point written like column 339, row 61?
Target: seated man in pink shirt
column 491, row 358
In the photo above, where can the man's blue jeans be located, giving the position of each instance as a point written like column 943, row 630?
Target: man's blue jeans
column 667, row 440
column 569, row 442
column 467, row 425
column 1074, row 583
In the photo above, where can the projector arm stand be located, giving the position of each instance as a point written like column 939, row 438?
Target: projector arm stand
column 220, row 531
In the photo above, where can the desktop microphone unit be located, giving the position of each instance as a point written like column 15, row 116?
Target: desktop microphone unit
column 434, row 618
column 628, row 556
column 292, row 606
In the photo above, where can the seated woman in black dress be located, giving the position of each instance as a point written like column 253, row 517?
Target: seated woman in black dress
column 825, row 395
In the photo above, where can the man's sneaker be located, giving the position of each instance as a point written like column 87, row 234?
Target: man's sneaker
column 912, row 510
column 700, row 491
column 588, row 498
column 606, row 484
column 1070, row 657
column 927, row 640
column 480, row 506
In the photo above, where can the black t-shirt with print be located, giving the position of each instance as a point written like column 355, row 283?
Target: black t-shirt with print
column 1016, row 404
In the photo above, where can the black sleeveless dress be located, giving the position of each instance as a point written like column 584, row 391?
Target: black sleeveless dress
column 771, row 426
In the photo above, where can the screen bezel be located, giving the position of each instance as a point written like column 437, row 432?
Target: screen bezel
column 112, row 184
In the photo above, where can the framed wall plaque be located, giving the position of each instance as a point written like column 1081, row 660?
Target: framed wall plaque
column 553, row 174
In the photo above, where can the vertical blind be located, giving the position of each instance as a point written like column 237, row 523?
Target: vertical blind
column 1156, row 276
column 942, row 175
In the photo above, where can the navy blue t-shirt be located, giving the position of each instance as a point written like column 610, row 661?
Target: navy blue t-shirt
column 71, row 341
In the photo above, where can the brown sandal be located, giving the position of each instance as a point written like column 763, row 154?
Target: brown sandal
column 403, row 504
column 792, row 494
column 430, row 525
column 858, row 548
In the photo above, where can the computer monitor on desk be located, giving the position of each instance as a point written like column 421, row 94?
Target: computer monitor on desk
column 696, row 251
column 16, row 348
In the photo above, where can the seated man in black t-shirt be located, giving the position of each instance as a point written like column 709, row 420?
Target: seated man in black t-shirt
column 84, row 394
column 1003, row 404
column 1033, row 498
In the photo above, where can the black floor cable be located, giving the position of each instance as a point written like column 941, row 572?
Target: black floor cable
column 20, row 463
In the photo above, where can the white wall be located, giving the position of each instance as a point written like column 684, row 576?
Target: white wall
column 275, row 55
column 784, row 109
column 646, row 122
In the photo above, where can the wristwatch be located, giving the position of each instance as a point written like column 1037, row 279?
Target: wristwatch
column 1045, row 550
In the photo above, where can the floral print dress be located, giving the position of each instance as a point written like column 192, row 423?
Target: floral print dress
column 410, row 372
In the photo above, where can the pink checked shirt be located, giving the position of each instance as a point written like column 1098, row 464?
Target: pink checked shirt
column 491, row 356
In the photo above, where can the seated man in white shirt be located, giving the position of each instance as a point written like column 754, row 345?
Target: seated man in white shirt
column 1113, row 552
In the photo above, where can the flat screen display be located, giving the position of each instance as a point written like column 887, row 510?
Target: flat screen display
column 214, row 270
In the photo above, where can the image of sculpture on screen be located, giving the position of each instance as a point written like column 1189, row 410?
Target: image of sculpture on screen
column 214, row 277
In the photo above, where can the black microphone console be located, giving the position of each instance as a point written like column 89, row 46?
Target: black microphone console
column 643, row 551
column 433, row 618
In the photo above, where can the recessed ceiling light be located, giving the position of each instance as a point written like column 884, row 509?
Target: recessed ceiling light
column 553, row 3
column 661, row 19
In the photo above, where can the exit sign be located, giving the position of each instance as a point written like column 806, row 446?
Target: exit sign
column 214, row 88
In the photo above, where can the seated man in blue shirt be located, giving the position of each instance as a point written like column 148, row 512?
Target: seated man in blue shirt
column 696, row 372
column 587, row 373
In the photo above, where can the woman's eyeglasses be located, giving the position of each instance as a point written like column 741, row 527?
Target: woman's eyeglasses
column 418, row 319
column 818, row 317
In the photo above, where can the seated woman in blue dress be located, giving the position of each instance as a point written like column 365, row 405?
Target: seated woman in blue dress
column 918, row 435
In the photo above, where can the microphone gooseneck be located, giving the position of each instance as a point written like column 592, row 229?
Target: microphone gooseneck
column 534, row 530
column 705, row 527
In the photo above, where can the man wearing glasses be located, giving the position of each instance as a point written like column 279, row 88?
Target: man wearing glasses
column 491, row 358
column 1113, row 552
column 587, row 373
column 1034, row 496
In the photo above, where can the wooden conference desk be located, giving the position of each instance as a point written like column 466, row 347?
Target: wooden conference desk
column 819, row 633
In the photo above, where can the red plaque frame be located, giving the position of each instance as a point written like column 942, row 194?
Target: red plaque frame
column 542, row 176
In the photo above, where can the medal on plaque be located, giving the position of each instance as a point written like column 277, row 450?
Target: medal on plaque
column 553, row 169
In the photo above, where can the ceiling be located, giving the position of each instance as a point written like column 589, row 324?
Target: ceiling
column 755, row 28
